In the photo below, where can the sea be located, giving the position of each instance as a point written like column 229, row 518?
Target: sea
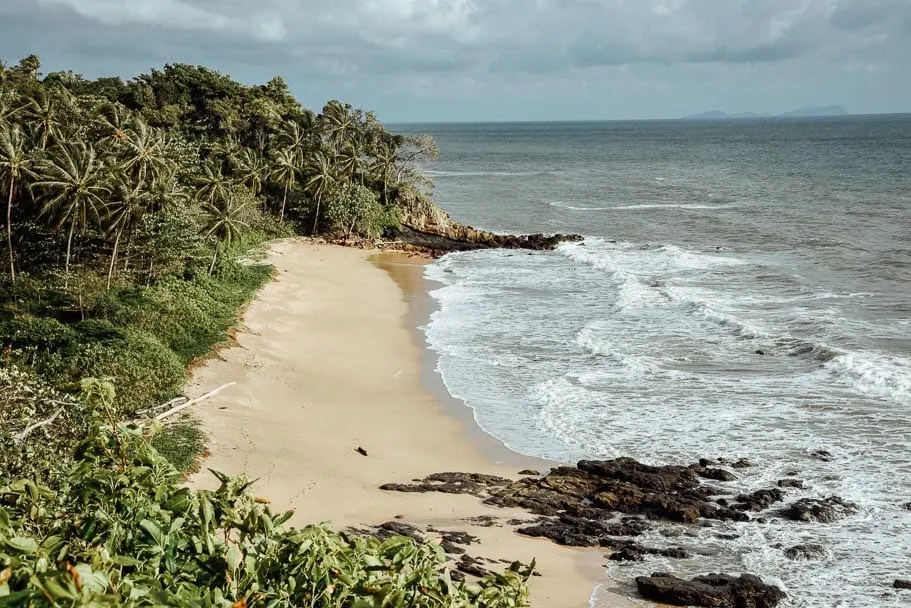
column 743, row 291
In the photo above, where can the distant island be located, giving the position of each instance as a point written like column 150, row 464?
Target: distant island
column 833, row 110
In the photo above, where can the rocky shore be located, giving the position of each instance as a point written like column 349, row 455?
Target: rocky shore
column 609, row 504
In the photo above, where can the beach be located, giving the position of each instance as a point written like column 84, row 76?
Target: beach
column 326, row 361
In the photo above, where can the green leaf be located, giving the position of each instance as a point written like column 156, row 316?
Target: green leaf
column 23, row 544
column 152, row 528
column 234, row 557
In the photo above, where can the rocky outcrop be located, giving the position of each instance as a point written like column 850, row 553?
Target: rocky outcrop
column 808, row 551
column 465, row 238
column 428, row 228
column 827, row 510
column 901, row 584
column 712, row 591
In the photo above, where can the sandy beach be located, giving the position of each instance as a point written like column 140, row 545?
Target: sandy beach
column 325, row 363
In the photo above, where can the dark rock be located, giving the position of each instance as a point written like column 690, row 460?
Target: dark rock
column 759, row 500
column 530, row 472
column 790, row 483
column 907, row 506
column 743, row 463
column 712, row 591
column 823, row 455
column 716, row 474
column 634, row 552
column 827, row 510
column 760, row 352
column 472, row 565
column 361, row 451
column 456, row 237
column 901, row 584
column 451, row 483
column 484, row 521
column 808, row 551
column 580, row 532
column 397, row 528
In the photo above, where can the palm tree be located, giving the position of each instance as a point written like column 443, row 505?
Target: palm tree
column 284, row 171
column 384, row 163
column 14, row 164
column 251, row 169
column 212, row 185
column 125, row 213
column 338, row 124
column 73, row 179
column 224, row 222
column 115, row 123
column 322, row 180
column 45, row 110
column 146, row 156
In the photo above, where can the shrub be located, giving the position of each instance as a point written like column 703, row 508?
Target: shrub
column 355, row 208
column 123, row 531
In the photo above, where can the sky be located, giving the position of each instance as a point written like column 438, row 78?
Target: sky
column 487, row 60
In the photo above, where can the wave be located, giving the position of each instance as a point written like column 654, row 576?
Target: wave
column 684, row 206
column 872, row 374
column 431, row 173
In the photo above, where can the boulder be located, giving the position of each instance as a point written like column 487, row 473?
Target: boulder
column 901, row 584
column 790, row 483
column 808, row 552
column 711, row 591
column 827, row 510
column 759, row 500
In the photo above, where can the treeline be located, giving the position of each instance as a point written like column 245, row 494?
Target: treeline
column 138, row 179
column 128, row 204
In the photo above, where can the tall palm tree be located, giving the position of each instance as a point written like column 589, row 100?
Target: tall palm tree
column 225, row 221
column 145, row 155
column 338, row 124
column 115, row 123
column 284, row 171
column 15, row 163
column 321, row 181
column 73, row 179
column 45, row 112
column 251, row 170
column 211, row 184
column 384, row 163
column 124, row 213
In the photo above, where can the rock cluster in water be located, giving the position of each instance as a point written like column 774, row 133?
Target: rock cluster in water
column 606, row 503
column 464, row 238
column 712, row 590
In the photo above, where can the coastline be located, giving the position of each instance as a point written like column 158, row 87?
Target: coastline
column 327, row 361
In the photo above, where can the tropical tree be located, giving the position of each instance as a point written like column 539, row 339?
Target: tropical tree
column 284, row 171
column 321, row 181
column 338, row 123
column 73, row 179
column 14, row 165
column 124, row 213
column 251, row 170
column 45, row 112
column 383, row 164
column 225, row 221
column 145, row 155
column 211, row 184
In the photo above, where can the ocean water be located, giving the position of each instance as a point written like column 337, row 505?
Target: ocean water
column 706, row 244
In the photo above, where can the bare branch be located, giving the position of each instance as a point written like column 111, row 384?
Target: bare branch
column 183, row 406
column 21, row 436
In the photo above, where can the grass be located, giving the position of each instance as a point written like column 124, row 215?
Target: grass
column 182, row 443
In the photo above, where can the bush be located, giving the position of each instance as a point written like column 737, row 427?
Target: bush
column 123, row 531
column 355, row 208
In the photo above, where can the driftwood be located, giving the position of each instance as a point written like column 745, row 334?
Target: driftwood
column 21, row 436
column 184, row 406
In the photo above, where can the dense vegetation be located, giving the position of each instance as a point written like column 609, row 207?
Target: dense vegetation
column 132, row 214
column 130, row 208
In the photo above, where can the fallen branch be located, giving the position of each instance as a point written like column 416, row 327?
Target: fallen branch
column 183, row 406
column 21, row 436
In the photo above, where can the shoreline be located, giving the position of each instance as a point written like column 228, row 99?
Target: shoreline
column 323, row 367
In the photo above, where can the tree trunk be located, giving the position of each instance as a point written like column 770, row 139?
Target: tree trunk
column 9, row 230
column 113, row 257
column 214, row 258
column 69, row 249
column 281, row 217
column 315, row 217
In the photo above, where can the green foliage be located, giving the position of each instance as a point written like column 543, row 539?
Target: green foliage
column 354, row 208
column 123, row 531
column 181, row 443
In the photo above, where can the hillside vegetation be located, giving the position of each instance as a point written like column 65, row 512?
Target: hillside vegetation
column 132, row 213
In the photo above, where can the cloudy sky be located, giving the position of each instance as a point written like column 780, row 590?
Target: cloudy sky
column 423, row 60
